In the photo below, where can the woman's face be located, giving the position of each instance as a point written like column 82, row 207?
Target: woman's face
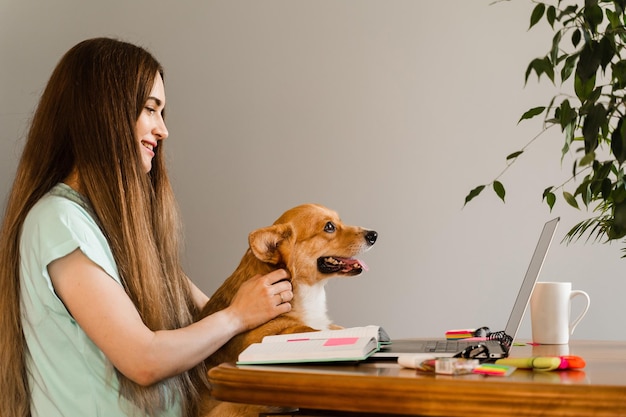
column 150, row 129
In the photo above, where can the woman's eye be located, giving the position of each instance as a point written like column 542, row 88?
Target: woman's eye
column 329, row 227
column 150, row 110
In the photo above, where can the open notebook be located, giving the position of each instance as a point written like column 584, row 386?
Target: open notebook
column 500, row 343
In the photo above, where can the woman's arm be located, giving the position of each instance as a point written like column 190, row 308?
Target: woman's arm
column 107, row 315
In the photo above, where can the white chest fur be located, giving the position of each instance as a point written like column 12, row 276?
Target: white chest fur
column 311, row 306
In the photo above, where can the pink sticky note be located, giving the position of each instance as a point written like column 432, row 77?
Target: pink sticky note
column 339, row 341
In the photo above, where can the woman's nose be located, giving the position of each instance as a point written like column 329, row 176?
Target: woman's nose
column 160, row 130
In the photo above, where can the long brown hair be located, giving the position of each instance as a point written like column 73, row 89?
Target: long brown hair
column 86, row 121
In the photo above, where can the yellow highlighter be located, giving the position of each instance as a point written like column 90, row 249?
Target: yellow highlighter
column 537, row 363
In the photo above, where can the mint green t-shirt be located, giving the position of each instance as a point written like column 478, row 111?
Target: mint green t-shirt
column 69, row 376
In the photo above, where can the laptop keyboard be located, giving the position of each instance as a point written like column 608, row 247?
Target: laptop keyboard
column 455, row 346
column 445, row 346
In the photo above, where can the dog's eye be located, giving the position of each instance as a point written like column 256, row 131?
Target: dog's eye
column 329, row 227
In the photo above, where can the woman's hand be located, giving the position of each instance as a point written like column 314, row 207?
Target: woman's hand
column 262, row 298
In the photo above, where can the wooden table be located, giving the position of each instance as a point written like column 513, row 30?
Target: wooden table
column 387, row 389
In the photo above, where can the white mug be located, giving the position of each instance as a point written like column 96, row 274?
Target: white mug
column 550, row 306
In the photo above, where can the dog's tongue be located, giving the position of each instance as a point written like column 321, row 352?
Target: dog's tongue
column 352, row 263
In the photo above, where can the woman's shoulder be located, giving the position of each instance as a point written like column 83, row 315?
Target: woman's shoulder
column 60, row 222
column 59, row 215
column 60, row 202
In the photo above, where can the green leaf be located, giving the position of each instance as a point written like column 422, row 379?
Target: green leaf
column 584, row 190
column 475, row 192
column 589, row 60
column 614, row 19
column 576, row 36
column 548, row 69
column 618, row 195
column 604, row 170
column 593, row 15
column 593, row 97
column 499, row 189
column 540, row 66
column 569, row 10
column 549, row 196
column 607, row 51
column 587, row 159
column 554, row 52
column 584, row 88
column 569, row 138
column 591, row 127
column 618, row 226
column 535, row 111
column 566, row 115
column 514, row 155
column 551, row 15
column 619, row 74
column 537, row 14
column 568, row 67
column 550, row 199
column 605, row 188
column 570, row 199
column 618, row 141
column 574, row 168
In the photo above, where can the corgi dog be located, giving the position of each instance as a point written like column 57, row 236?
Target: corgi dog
column 312, row 244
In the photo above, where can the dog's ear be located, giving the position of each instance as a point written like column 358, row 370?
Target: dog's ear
column 264, row 242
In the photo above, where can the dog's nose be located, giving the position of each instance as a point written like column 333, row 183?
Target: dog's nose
column 371, row 237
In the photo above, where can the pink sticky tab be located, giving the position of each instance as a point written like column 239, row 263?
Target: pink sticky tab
column 339, row 341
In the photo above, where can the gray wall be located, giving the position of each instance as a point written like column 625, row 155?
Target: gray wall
column 387, row 111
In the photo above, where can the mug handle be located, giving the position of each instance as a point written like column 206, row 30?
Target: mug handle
column 573, row 294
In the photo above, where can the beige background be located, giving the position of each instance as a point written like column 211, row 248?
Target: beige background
column 387, row 111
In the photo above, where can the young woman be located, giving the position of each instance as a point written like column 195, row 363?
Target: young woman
column 96, row 314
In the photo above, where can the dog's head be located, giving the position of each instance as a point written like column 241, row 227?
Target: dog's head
column 312, row 243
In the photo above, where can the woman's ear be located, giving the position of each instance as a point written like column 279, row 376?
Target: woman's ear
column 265, row 242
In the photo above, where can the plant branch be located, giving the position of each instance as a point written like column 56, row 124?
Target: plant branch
column 512, row 160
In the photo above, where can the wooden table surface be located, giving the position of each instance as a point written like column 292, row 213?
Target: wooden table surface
column 386, row 388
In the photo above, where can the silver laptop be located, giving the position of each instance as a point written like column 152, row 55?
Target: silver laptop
column 497, row 344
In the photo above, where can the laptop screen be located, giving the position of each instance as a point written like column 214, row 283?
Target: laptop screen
column 536, row 262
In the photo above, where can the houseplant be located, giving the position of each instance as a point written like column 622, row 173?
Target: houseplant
column 587, row 56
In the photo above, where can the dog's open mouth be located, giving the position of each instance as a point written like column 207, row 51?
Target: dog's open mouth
column 337, row 265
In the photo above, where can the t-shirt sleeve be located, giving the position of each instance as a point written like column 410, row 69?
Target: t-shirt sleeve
column 54, row 228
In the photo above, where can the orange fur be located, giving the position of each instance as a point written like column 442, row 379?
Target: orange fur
column 296, row 241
